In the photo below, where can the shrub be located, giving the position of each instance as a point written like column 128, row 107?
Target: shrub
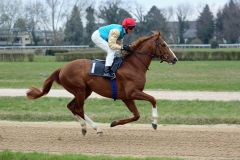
column 16, row 57
column 80, row 55
column 196, row 41
column 214, row 44
column 39, row 51
column 208, row 55
column 192, row 55
column 52, row 52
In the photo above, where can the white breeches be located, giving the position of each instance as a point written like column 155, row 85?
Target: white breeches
column 101, row 43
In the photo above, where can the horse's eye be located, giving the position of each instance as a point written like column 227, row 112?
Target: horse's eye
column 164, row 45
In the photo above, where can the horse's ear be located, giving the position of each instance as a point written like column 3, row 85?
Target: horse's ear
column 157, row 33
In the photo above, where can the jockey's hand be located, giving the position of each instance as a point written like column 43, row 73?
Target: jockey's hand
column 126, row 48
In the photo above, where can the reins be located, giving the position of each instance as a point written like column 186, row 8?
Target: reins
column 135, row 53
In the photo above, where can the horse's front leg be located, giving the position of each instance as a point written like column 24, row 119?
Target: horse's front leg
column 132, row 107
column 139, row 95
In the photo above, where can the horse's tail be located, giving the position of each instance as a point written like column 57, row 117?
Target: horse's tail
column 34, row 93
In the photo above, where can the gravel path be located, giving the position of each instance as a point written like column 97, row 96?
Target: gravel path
column 158, row 94
column 219, row 142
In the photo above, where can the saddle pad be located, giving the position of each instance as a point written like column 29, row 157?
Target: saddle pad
column 97, row 67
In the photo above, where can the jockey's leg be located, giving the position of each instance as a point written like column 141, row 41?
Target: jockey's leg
column 139, row 95
column 109, row 61
column 132, row 107
column 101, row 43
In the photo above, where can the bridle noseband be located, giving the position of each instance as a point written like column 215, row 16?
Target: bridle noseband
column 152, row 55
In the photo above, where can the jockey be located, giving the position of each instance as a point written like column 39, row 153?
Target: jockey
column 110, row 39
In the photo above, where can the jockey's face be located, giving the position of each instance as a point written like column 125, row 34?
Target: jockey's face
column 130, row 30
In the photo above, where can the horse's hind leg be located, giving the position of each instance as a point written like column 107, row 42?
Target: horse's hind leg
column 132, row 107
column 88, row 120
column 73, row 106
column 93, row 125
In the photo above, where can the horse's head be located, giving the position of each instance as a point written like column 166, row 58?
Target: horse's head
column 156, row 47
column 161, row 49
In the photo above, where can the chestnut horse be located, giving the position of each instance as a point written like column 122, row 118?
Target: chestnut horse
column 130, row 80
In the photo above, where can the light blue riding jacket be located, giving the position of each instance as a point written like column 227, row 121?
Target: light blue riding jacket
column 105, row 30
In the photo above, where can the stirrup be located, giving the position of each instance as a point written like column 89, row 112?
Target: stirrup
column 113, row 76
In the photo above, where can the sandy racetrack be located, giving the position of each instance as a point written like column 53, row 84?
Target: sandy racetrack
column 190, row 142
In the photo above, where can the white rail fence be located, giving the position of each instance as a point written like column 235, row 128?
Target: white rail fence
column 86, row 46
column 44, row 47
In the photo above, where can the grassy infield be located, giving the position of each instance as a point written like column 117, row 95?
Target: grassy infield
column 215, row 76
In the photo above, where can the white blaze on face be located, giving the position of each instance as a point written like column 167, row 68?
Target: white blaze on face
column 173, row 55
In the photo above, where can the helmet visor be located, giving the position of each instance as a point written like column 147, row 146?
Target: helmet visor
column 131, row 27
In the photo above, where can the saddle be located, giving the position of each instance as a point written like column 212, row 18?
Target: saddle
column 97, row 66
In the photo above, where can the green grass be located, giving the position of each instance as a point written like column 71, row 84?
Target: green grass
column 207, row 49
column 25, row 74
column 195, row 75
column 185, row 75
column 105, row 111
column 44, row 58
column 7, row 155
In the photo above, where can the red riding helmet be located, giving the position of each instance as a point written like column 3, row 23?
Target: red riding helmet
column 128, row 22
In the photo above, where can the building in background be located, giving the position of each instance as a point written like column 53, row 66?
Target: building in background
column 25, row 38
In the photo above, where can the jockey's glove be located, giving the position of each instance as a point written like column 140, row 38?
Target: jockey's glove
column 126, row 48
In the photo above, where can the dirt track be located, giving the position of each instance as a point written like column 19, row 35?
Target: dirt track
column 190, row 142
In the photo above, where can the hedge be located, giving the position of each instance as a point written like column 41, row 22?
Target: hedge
column 52, row 52
column 207, row 55
column 80, row 55
column 182, row 55
column 16, row 57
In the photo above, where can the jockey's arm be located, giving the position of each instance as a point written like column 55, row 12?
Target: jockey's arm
column 120, row 42
column 112, row 40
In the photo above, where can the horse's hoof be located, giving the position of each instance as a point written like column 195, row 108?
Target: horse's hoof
column 84, row 132
column 154, row 126
column 113, row 124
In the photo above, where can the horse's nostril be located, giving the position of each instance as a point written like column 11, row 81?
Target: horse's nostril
column 174, row 60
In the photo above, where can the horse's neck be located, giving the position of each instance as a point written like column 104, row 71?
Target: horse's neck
column 140, row 60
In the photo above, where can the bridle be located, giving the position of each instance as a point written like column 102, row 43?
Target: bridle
column 152, row 55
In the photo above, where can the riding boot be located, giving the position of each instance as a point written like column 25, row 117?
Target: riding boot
column 107, row 72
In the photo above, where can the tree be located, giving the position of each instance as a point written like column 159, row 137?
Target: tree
column 74, row 28
column 155, row 21
column 111, row 13
column 90, row 26
column 20, row 24
column 57, row 12
column 139, row 12
column 182, row 11
column 219, row 26
column 231, row 22
column 205, row 25
column 9, row 12
column 36, row 16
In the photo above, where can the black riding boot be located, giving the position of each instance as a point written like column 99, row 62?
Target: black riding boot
column 108, row 73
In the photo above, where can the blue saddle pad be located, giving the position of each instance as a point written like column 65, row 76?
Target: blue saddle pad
column 97, row 67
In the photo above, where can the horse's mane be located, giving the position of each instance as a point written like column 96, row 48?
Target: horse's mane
column 139, row 41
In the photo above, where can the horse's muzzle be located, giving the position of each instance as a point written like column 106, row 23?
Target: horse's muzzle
column 174, row 61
